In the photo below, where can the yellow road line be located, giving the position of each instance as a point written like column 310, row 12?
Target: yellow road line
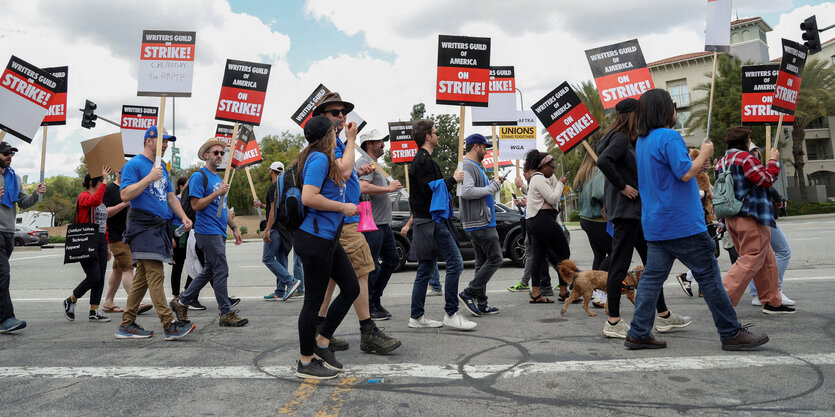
column 299, row 397
column 334, row 404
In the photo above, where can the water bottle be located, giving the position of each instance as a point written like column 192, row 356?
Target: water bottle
column 180, row 230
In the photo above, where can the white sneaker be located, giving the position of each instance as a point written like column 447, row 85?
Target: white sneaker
column 786, row 300
column 617, row 331
column 675, row 321
column 423, row 323
column 458, row 322
column 756, row 301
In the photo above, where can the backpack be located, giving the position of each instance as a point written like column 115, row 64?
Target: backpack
column 289, row 210
column 185, row 199
column 725, row 203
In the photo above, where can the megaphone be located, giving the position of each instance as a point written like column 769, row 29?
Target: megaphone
column 366, row 223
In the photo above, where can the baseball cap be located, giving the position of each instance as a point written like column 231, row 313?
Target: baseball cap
column 152, row 133
column 5, row 147
column 277, row 166
column 316, row 128
column 478, row 138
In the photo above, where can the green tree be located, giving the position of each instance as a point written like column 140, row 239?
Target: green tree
column 61, row 194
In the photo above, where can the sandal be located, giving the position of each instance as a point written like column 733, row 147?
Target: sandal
column 562, row 299
column 539, row 299
column 112, row 309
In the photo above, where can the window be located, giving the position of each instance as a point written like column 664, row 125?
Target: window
column 682, row 120
column 679, row 93
column 818, row 149
column 819, row 123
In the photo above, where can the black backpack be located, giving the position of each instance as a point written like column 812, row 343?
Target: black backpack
column 185, row 199
column 288, row 204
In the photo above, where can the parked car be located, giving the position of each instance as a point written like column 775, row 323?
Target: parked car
column 30, row 236
column 507, row 224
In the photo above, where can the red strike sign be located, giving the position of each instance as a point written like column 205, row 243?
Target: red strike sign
column 57, row 113
column 488, row 161
column 619, row 71
column 463, row 71
column 787, row 88
column 565, row 117
column 26, row 88
column 156, row 51
column 243, row 92
column 402, row 152
column 246, row 154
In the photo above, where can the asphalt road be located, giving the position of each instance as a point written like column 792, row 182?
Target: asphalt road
column 527, row 359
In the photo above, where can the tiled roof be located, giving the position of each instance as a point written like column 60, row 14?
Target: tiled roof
column 679, row 58
column 741, row 21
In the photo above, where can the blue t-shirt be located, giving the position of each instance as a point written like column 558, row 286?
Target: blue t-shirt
column 491, row 202
column 352, row 185
column 175, row 221
column 670, row 208
column 321, row 223
column 206, row 221
column 153, row 199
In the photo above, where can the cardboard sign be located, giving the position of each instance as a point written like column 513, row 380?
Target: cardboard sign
column 788, row 80
column 26, row 92
column 403, row 146
column 516, row 141
column 501, row 109
column 758, row 83
column 57, row 114
column 135, row 121
column 242, row 92
column 224, row 133
column 246, row 151
column 166, row 63
column 105, row 150
column 619, row 72
column 488, row 160
column 565, row 117
column 305, row 111
column 463, row 71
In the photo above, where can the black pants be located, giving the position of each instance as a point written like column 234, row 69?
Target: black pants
column 6, row 248
column 94, row 269
column 323, row 259
column 600, row 241
column 177, row 268
column 546, row 235
column 629, row 235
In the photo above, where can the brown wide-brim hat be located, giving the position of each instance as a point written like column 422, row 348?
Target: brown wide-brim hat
column 206, row 146
column 332, row 98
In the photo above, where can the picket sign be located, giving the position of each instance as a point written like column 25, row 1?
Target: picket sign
column 228, row 169
column 43, row 160
column 768, row 137
column 495, row 154
column 710, row 103
column 254, row 196
column 380, row 168
column 160, row 124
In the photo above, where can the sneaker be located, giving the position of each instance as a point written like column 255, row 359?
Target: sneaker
column 338, row 344
column 486, row 309
column 458, row 322
column 133, row 331
column 232, row 302
column 519, row 287
column 11, row 324
column 755, row 301
column 379, row 315
column 274, row 296
column 177, row 330
column 675, row 321
column 744, row 339
column 231, row 319
column 97, row 315
column 195, row 305
column 314, row 370
column 435, row 292
column 649, row 342
column 685, row 284
column 379, row 307
column 373, row 340
column 69, row 309
column 180, row 311
column 546, row 291
column 786, row 300
column 327, row 357
column 618, row 330
column 781, row 309
column 290, row 291
column 423, row 323
column 470, row 303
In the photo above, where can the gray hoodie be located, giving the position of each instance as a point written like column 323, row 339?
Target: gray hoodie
column 474, row 210
column 24, row 201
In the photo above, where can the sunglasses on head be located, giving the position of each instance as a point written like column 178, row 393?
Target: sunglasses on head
column 219, row 153
column 337, row 112
column 9, row 153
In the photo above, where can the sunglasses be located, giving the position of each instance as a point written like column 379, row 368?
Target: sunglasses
column 337, row 112
column 9, row 153
column 219, row 153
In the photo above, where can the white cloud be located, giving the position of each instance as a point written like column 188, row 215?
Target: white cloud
column 789, row 26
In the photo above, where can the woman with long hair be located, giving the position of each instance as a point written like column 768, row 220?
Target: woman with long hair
column 589, row 182
column 317, row 243
column 544, row 192
column 90, row 209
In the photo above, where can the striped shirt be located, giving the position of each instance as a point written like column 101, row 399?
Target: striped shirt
column 751, row 183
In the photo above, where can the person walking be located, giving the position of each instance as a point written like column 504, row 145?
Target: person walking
column 277, row 245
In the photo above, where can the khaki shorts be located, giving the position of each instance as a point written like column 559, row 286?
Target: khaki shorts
column 122, row 259
column 357, row 249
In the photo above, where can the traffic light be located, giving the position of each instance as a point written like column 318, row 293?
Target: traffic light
column 88, row 119
column 811, row 37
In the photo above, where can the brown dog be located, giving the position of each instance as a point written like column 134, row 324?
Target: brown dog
column 585, row 282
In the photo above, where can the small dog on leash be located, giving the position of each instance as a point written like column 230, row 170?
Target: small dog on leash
column 585, row 282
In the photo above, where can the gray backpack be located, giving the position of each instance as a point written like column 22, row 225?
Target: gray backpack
column 725, row 203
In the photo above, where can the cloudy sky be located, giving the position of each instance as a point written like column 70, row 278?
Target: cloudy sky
column 379, row 54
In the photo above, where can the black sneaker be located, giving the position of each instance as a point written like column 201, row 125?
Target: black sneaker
column 379, row 307
column 781, row 309
column 69, row 309
column 234, row 301
column 685, row 284
column 373, row 340
column 327, row 356
column 315, row 370
column 195, row 305
column 379, row 315
column 97, row 315
column 470, row 303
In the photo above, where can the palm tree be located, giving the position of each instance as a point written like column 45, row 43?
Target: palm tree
column 816, row 100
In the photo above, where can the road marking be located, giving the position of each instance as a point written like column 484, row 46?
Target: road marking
column 333, row 405
column 299, row 397
column 806, row 238
column 416, row 370
column 34, row 257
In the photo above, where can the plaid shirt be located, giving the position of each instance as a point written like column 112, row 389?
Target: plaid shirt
column 751, row 183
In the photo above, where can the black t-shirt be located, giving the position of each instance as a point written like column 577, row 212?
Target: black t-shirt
column 115, row 224
column 270, row 199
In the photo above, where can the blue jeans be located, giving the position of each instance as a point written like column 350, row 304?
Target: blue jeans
column 382, row 246
column 454, row 266
column 435, row 281
column 782, row 252
column 274, row 257
column 696, row 253
column 215, row 269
